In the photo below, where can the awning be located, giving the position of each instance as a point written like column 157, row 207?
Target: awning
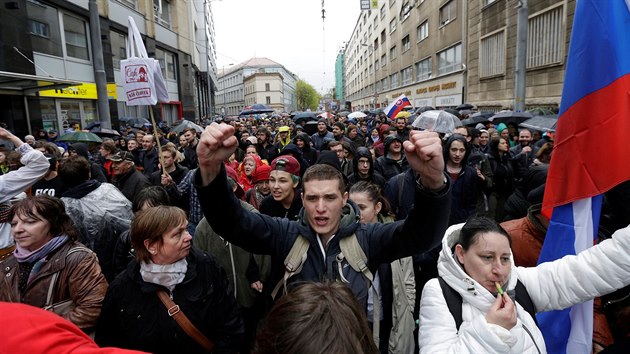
column 27, row 83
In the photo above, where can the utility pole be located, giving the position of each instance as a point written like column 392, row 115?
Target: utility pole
column 99, row 67
column 521, row 55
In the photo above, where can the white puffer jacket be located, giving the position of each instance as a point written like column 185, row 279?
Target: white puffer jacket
column 551, row 286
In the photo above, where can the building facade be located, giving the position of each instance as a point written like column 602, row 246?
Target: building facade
column 492, row 53
column 446, row 52
column 47, row 78
column 407, row 47
column 230, row 97
column 339, row 76
column 265, row 88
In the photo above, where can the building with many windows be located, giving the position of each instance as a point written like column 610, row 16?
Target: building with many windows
column 407, row 47
column 492, row 52
column 339, row 77
column 47, row 73
column 445, row 52
column 257, row 80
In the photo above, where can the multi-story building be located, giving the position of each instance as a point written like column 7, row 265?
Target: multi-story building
column 47, row 73
column 445, row 52
column 265, row 88
column 492, row 52
column 407, row 47
column 232, row 97
column 339, row 77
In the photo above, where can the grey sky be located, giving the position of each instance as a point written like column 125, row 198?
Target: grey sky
column 286, row 31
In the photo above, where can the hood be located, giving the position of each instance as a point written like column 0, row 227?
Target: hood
column 389, row 140
column 453, row 273
column 292, row 149
column 81, row 149
column 304, row 137
column 350, row 217
column 362, row 152
column 382, row 129
column 448, row 144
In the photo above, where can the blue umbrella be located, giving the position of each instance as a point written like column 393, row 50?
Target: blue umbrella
column 256, row 109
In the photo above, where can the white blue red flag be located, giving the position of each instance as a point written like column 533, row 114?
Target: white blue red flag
column 590, row 151
column 396, row 106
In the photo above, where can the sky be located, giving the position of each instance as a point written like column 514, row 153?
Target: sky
column 289, row 32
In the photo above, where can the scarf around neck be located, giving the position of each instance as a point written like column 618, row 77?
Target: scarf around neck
column 24, row 256
column 167, row 275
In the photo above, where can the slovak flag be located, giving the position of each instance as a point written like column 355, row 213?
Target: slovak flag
column 590, row 151
column 396, row 106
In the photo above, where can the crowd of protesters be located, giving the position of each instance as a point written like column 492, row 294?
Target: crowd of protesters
column 211, row 221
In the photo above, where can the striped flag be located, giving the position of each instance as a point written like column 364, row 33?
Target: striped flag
column 396, row 106
column 590, row 151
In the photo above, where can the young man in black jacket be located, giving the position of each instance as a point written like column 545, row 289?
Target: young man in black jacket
column 327, row 215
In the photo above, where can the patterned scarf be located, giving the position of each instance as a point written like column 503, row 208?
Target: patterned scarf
column 39, row 256
column 167, row 275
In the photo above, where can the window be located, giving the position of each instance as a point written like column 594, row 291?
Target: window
column 422, row 31
column 392, row 53
column 129, row 3
column 391, row 3
column 167, row 63
column 405, row 44
column 162, row 12
column 450, row 60
column 371, row 69
column 376, row 44
column 119, row 47
column 393, row 79
column 268, row 99
column 44, row 28
column 370, row 29
column 267, row 88
column 423, row 69
column 488, row 2
column 383, row 11
column 383, row 60
column 405, row 11
column 383, row 37
column 545, row 39
column 75, row 31
column 376, row 66
column 377, row 86
column 385, row 84
column 392, row 25
column 492, row 55
column 448, row 12
column 407, row 75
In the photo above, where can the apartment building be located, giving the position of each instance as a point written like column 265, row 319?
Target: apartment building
column 492, row 52
column 407, row 47
column 459, row 51
column 47, row 78
column 232, row 95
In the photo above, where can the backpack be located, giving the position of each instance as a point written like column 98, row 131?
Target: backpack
column 454, row 301
column 350, row 250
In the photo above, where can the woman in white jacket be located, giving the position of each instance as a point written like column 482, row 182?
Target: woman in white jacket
column 477, row 255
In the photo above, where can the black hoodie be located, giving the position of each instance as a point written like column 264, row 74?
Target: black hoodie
column 373, row 176
column 309, row 154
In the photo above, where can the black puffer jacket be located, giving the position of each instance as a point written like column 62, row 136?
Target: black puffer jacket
column 382, row 243
column 387, row 166
column 133, row 317
column 131, row 183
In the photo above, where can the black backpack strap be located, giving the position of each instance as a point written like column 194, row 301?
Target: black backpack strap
column 453, row 301
column 523, row 298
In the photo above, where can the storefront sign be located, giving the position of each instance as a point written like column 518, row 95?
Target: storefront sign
column 438, row 87
column 447, row 101
column 422, row 102
column 86, row 91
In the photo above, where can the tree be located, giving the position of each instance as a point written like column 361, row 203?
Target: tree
column 307, row 97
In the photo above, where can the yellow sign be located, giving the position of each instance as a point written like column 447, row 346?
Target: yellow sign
column 85, row 91
column 375, row 4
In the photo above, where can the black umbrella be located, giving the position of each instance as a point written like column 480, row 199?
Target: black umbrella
column 541, row 123
column 464, row 106
column 304, row 116
column 453, row 112
column 424, row 109
column 102, row 132
column 510, row 117
column 310, row 128
column 135, row 122
column 256, row 109
column 476, row 118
